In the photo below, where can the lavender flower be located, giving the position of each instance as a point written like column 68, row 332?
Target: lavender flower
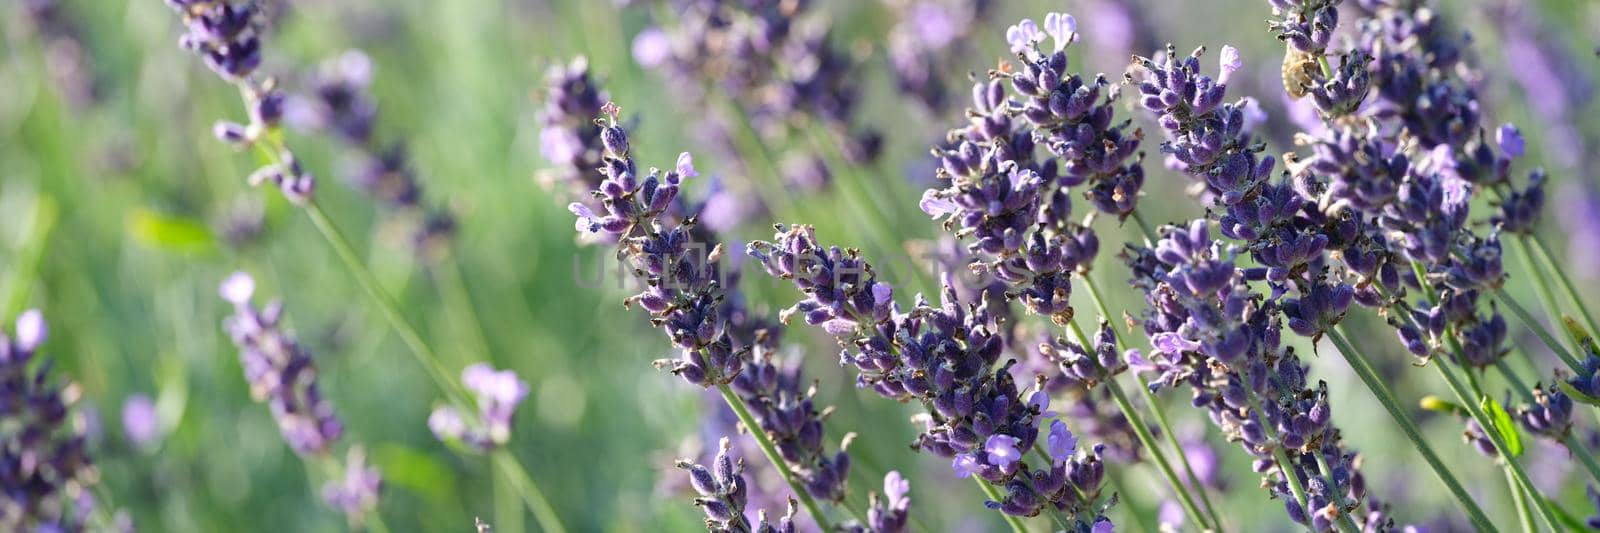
column 1550, row 415
column 356, row 494
column 927, row 42
column 279, row 370
column 140, row 422
column 340, row 102
column 723, row 492
column 282, row 374
column 45, row 465
column 940, row 356
column 1230, row 337
column 570, row 138
column 497, row 394
column 889, row 513
column 775, row 62
column 703, row 312
column 226, row 35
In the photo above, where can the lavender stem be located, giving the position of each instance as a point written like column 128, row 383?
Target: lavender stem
column 1284, row 465
column 1538, row 329
column 543, row 512
column 1543, row 253
column 754, row 428
column 1155, row 409
column 1518, row 497
column 1363, row 369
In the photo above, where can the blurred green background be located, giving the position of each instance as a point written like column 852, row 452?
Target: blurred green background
column 113, row 210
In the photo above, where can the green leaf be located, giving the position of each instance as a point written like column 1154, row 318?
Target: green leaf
column 412, row 469
column 1502, row 425
column 170, row 233
column 1577, row 394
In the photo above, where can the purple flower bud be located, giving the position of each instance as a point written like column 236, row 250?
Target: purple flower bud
column 1510, row 140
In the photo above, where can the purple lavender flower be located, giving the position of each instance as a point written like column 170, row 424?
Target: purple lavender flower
column 1001, row 450
column 938, row 355
column 140, row 422
column 569, row 137
column 226, row 36
column 281, row 372
column 340, row 102
column 891, row 512
column 497, row 394
column 723, row 490
column 44, row 457
column 356, row 493
column 1550, row 415
column 1060, row 444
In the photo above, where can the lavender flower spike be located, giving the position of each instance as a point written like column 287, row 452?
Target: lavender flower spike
column 723, row 495
column 282, row 374
column 497, row 393
column 45, row 467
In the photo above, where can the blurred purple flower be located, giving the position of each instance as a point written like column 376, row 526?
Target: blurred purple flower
column 139, row 420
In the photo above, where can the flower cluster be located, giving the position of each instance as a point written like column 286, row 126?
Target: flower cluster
column 46, row 472
column 771, row 56
column 282, row 374
column 926, row 43
column 1207, row 138
column 497, row 394
column 339, row 101
column 66, row 50
column 280, row 371
column 703, row 312
column 569, row 137
column 226, row 35
column 941, row 356
column 683, row 290
column 723, row 494
column 1223, row 340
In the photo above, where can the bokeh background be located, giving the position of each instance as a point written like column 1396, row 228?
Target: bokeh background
column 119, row 215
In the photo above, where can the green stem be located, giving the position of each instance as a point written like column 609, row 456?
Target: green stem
column 1546, row 296
column 452, row 285
column 1363, row 369
column 420, row 350
column 1149, row 443
column 1520, row 498
column 1538, row 329
column 507, row 509
column 1285, row 467
column 1566, row 282
column 1344, row 523
column 1577, row 450
column 543, row 512
column 429, row 360
column 1155, row 409
column 767, row 448
column 1470, row 403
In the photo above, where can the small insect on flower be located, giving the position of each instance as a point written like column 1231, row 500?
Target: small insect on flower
column 1300, row 71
